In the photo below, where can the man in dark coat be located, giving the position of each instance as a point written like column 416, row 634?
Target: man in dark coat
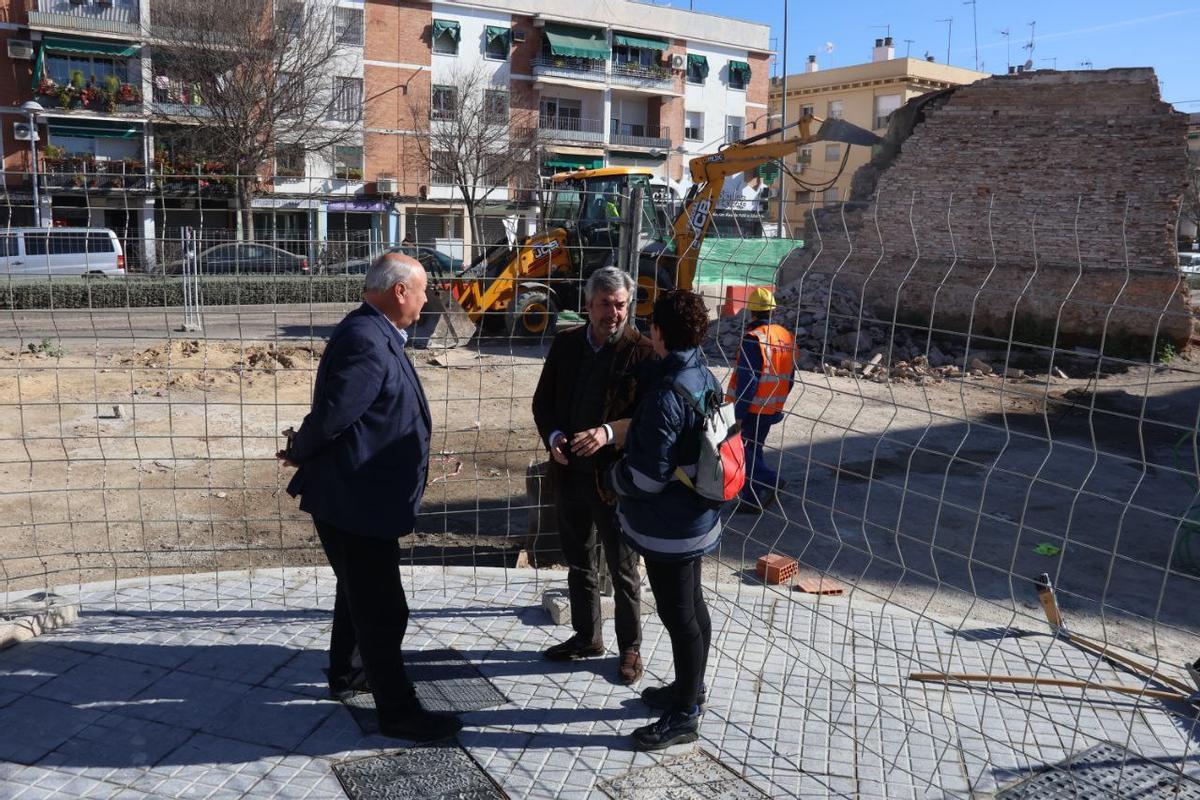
column 363, row 456
column 584, row 399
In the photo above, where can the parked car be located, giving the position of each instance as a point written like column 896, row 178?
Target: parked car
column 245, row 258
column 1189, row 263
column 435, row 262
column 61, row 251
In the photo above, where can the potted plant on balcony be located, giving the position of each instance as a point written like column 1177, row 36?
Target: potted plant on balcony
column 128, row 93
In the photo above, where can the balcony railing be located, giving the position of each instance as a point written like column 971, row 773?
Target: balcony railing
column 579, row 68
column 643, row 76
column 119, row 17
column 633, row 135
column 72, row 172
column 571, row 129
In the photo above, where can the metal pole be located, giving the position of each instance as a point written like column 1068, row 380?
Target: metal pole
column 33, row 170
column 782, row 118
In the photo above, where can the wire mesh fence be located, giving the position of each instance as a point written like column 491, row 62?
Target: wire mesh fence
column 986, row 392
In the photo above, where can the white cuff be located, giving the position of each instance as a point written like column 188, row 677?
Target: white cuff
column 608, row 432
column 550, row 440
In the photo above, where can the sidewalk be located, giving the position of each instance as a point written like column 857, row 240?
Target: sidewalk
column 210, row 686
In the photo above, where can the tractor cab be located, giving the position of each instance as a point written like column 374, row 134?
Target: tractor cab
column 590, row 204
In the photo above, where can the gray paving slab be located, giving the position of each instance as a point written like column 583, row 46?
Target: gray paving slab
column 211, row 686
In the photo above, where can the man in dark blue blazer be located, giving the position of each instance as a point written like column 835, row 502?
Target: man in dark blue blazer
column 363, row 456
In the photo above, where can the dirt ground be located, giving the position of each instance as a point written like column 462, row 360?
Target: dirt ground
column 934, row 494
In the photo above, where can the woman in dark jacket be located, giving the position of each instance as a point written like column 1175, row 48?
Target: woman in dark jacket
column 662, row 518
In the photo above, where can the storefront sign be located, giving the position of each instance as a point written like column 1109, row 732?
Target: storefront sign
column 283, row 203
column 358, row 205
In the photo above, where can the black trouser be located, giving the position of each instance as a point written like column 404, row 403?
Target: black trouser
column 680, row 599
column 581, row 515
column 370, row 611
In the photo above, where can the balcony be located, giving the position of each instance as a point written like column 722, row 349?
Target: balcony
column 635, row 135
column 586, row 69
column 85, row 172
column 176, row 98
column 105, row 17
column 571, row 129
column 641, row 76
column 111, row 98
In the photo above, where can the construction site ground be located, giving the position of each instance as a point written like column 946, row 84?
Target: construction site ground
column 123, row 455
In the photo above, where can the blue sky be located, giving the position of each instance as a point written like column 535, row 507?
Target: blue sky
column 1146, row 33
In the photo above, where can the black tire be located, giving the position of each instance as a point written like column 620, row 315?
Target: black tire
column 648, row 290
column 534, row 316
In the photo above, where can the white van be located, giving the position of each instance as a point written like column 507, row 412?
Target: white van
column 61, row 251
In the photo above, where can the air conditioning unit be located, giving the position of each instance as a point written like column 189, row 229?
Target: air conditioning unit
column 24, row 132
column 20, row 49
column 385, row 185
column 678, row 61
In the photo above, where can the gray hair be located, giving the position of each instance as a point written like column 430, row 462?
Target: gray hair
column 388, row 270
column 607, row 280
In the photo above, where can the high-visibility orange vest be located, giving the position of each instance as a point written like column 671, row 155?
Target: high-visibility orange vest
column 775, row 380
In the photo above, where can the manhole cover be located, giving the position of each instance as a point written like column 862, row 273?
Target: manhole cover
column 429, row 773
column 1105, row 770
column 694, row 776
column 445, row 681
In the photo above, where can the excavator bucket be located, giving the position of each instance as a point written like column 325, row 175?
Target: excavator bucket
column 839, row 130
column 443, row 322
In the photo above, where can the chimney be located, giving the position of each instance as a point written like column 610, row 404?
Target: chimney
column 1012, row 70
column 811, row 66
column 883, row 50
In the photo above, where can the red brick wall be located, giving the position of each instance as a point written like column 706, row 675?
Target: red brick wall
column 1025, row 200
column 760, row 73
column 523, row 52
column 397, row 98
column 16, row 86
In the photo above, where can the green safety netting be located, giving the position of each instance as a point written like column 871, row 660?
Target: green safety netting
column 646, row 42
column 572, row 42
column 446, row 26
column 742, row 261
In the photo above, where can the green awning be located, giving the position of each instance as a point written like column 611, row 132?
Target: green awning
column 446, row 26
column 95, row 129
column 630, row 40
column 55, row 45
column 560, row 161
column 740, row 68
column 699, row 63
column 494, row 32
column 572, row 42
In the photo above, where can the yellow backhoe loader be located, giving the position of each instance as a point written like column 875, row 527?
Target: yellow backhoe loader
column 522, row 288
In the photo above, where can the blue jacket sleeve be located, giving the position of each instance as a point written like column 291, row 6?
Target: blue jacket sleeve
column 650, row 460
column 749, row 367
column 352, row 383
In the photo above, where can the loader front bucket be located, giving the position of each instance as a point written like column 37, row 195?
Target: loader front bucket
column 443, row 322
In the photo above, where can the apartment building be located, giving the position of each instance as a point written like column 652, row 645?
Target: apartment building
column 619, row 83
column 865, row 94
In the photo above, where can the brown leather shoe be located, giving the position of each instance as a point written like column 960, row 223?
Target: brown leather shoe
column 630, row 670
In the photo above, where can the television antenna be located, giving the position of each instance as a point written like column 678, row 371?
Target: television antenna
column 1053, row 61
column 908, row 43
column 1007, row 46
column 1030, row 45
column 1087, row 64
column 949, row 30
column 974, row 4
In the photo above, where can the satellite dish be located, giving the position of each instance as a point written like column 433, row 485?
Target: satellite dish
column 829, row 47
column 1029, row 64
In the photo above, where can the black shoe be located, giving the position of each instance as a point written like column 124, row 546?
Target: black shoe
column 663, row 697
column 353, row 681
column 675, row 727
column 420, row 725
column 574, row 649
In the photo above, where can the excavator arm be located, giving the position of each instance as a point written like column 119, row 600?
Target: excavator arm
column 709, row 174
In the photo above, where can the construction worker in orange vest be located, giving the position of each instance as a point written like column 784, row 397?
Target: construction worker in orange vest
column 759, row 387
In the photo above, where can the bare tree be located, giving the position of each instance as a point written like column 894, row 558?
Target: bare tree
column 252, row 79
column 476, row 141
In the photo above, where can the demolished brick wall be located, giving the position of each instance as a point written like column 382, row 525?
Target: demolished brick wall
column 1041, row 206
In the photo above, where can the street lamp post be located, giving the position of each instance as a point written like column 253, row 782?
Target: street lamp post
column 32, row 108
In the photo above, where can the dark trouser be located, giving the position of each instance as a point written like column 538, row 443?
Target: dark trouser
column 370, row 611
column 680, row 600
column 581, row 515
column 759, row 475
